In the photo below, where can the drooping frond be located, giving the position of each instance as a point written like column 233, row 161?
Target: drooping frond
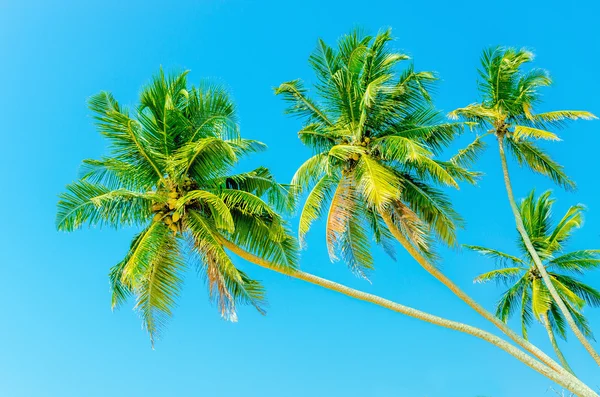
column 526, row 311
column 432, row 206
column 540, row 298
column 528, row 154
column 315, row 204
column 511, row 299
column 467, row 156
column 345, row 229
column 376, row 183
column 413, row 228
column 381, row 233
column 354, row 245
column 340, row 211
column 310, row 172
column 458, row 173
column 227, row 284
column 158, row 285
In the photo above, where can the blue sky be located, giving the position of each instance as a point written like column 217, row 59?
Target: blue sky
column 58, row 336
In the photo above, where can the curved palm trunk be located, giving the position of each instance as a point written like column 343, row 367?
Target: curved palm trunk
column 557, row 350
column 435, row 272
column 536, row 259
column 564, row 379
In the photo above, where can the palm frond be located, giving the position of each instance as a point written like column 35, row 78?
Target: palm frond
column 467, row 156
column 522, row 132
column 432, row 206
column 217, row 206
column 315, row 205
column 528, row 154
column 501, row 258
column 576, row 261
column 227, row 284
column 505, row 275
column 376, row 183
column 159, row 283
column 125, row 134
column 300, row 105
column 510, row 299
column 86, row 202
column 540, row 298
column 589, row 295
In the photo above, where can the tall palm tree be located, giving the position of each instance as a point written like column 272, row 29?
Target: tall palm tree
column 527, row 293
column 169, row 172
column 508, row 95
column 375, row 135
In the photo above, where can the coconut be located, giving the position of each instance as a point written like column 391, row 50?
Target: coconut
column 176, row 216
column 173, row 227
column 367, row 139
column 157, row 207
column 355, row 156
column 173, row 195
column 157, row 217
column 172, row 203
column 168, row 220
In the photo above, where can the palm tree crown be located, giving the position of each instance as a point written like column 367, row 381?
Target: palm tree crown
column 374, row 134
column 527, row 294
column 508, row 98
column 170, row 172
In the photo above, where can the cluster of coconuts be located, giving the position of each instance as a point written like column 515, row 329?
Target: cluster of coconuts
column 164, row 212
column 365, row 142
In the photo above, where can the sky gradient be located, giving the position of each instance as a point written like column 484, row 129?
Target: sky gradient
column 59, row 336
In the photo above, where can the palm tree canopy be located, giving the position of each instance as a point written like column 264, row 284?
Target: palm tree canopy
column 527, row 293
column 169, row 172
column 508, row 97
column 374, row 135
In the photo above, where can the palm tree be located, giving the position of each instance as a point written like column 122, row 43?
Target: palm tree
column 375, row 135
column 169, row 172
column 527, row 293
column 506, row 111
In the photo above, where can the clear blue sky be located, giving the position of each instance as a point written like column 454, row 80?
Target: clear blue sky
column 58, row 336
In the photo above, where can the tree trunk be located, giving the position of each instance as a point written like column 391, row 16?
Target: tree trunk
column 552, row 338
column 563, row 378
column 536, row 259
column 435, row 272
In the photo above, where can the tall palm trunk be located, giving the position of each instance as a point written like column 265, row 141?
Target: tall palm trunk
column 552, row 338
column 435, row 272
column 536, row 259
column 563, row 378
